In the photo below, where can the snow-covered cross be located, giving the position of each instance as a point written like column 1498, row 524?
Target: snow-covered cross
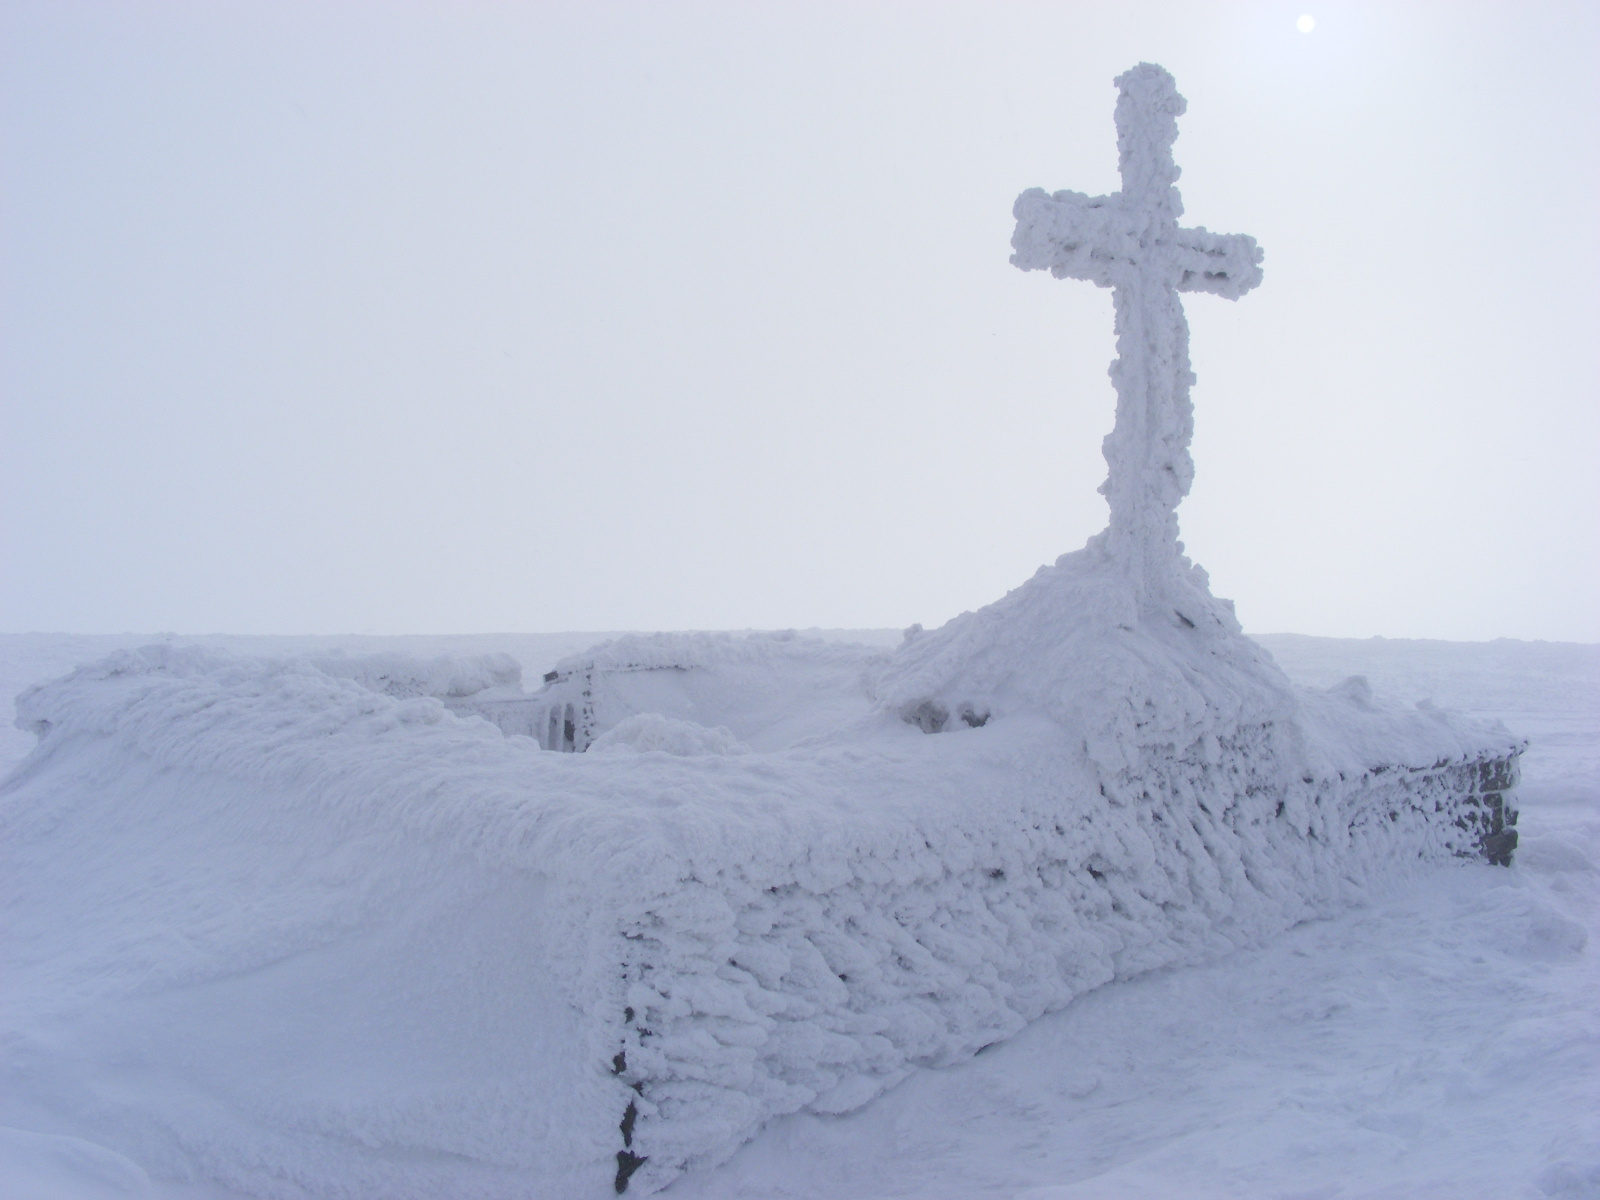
column 1131, row 242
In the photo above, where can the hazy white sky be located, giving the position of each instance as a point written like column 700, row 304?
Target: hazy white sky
column 336, row 317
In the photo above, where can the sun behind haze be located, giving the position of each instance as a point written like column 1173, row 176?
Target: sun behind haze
column 483, row 317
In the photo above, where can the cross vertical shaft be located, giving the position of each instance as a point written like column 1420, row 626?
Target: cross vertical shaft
column 1131, row 242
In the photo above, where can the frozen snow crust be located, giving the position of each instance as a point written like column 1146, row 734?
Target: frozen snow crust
column 339, row 943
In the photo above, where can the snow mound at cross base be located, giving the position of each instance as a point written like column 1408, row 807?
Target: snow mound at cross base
column 271, row 925
column 1133, row 684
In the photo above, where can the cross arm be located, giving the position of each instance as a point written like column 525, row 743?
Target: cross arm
column 1224, row 264
column 1073, row 236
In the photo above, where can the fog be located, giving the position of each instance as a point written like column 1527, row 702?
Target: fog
column 442, row 318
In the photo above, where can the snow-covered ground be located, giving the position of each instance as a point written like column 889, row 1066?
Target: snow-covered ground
column 1442, row 1041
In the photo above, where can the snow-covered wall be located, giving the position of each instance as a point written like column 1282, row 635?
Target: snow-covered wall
column 416, row 931
column 813, row 978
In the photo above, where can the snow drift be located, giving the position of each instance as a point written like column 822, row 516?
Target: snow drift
column 314, row 939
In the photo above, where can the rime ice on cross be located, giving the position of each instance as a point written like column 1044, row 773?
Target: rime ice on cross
column 1131, row 242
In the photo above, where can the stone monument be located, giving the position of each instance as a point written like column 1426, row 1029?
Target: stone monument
column 1131, row 242
column 698, row 881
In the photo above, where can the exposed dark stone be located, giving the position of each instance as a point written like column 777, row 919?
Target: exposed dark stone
column 1495, row 775
column 619, row 1064
column 627, row 1163
column 628, row 1118
column 929, row 716
column 1497, row 847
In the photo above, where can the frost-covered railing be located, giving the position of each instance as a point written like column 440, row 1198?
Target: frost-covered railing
column 753, row 683
column 560, row 716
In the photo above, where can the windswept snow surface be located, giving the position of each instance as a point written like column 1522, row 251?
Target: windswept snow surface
column 1437, row 1041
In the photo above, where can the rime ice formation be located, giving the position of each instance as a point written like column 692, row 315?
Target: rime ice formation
column 379, row 927
column 1131, row 242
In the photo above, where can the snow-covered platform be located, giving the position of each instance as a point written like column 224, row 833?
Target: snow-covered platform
column 613, row 965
